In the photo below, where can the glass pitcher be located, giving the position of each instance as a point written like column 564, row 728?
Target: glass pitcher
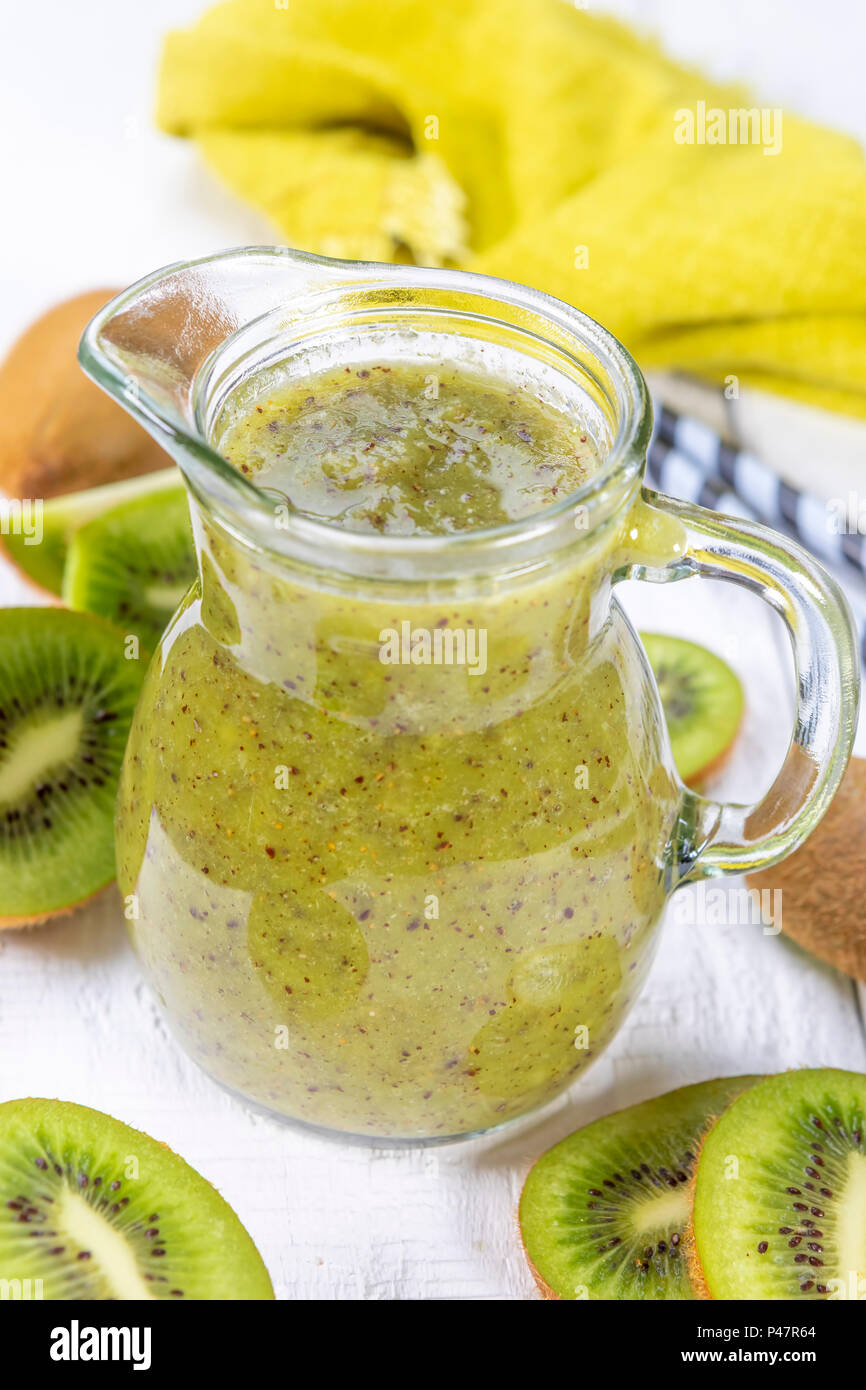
column 412, row 901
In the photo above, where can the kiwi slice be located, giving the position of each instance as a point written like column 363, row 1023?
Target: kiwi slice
column 67, row 695
column 43, row 564
column 780, row 1193
column 702, row 701
column 604, row 1213
column 96, row 1210
column 134, row 563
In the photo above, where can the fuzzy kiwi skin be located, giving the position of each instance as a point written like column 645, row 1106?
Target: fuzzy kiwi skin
column 697, row 1278
column 59, row 432
column 821, row 883
column 690, row 1249
column 232, row 1266
column 39, row 919
column 543, row 1288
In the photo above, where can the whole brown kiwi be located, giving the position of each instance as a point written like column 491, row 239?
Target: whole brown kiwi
column 58, row 431
column 822, row 883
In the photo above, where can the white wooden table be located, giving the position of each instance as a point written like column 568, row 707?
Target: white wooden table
column 77, row 1019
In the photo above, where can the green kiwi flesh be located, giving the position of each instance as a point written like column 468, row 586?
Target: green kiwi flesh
column 96, row 1210
column 604, row 1213
column 43, row 563
column 702, row 700
column 780, row 1193
column 67, row 695
column 134, row 563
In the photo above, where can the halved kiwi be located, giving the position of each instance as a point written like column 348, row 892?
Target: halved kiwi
column 43, row 563
column 67, row 694
column 604, row 1213
column 134, row 563
column 95, row 1210
column 780, row 1192
column 702, row 701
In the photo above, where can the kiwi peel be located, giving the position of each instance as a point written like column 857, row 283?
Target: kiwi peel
column 820, row 885
column 702, row 700
column 67, row 695
column 59, row 433
column 604, row 1214
column 96, row 1210
column 780, row 1192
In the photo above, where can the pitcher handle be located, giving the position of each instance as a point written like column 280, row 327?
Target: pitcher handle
column 726, row 837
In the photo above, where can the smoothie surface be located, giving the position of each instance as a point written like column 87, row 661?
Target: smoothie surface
column 400, row 449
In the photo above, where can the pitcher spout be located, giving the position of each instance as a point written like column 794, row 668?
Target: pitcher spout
column 150, row 346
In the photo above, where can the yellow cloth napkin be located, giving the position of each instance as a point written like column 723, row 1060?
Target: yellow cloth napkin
column 531, row 140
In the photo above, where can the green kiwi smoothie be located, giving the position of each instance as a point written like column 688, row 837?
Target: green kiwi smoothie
column 392, row 850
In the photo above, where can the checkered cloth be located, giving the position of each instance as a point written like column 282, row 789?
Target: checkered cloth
column 688, row 459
